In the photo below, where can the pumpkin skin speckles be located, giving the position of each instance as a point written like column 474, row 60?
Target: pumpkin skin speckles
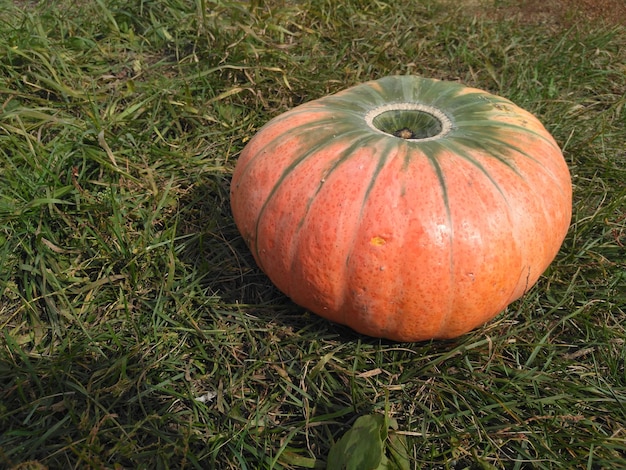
column 405, row 208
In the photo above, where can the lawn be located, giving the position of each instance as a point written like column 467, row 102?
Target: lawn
column 136, row 330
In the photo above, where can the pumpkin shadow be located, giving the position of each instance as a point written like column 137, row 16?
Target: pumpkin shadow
column 211, row 244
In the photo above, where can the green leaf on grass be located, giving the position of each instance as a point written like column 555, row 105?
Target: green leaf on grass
column 364, row 446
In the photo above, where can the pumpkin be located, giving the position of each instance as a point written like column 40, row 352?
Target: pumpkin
column 406, row 208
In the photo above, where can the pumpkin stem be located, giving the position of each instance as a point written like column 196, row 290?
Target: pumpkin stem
column 405, row 133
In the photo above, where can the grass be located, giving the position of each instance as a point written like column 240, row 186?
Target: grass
column 127, row 293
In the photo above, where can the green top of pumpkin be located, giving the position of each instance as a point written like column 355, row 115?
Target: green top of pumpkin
column 439, row 117
column 422, row 112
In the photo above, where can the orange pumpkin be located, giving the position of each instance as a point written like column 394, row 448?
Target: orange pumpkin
column 406, row 208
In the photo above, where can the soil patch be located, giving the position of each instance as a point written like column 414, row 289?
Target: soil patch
column 553, row 13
